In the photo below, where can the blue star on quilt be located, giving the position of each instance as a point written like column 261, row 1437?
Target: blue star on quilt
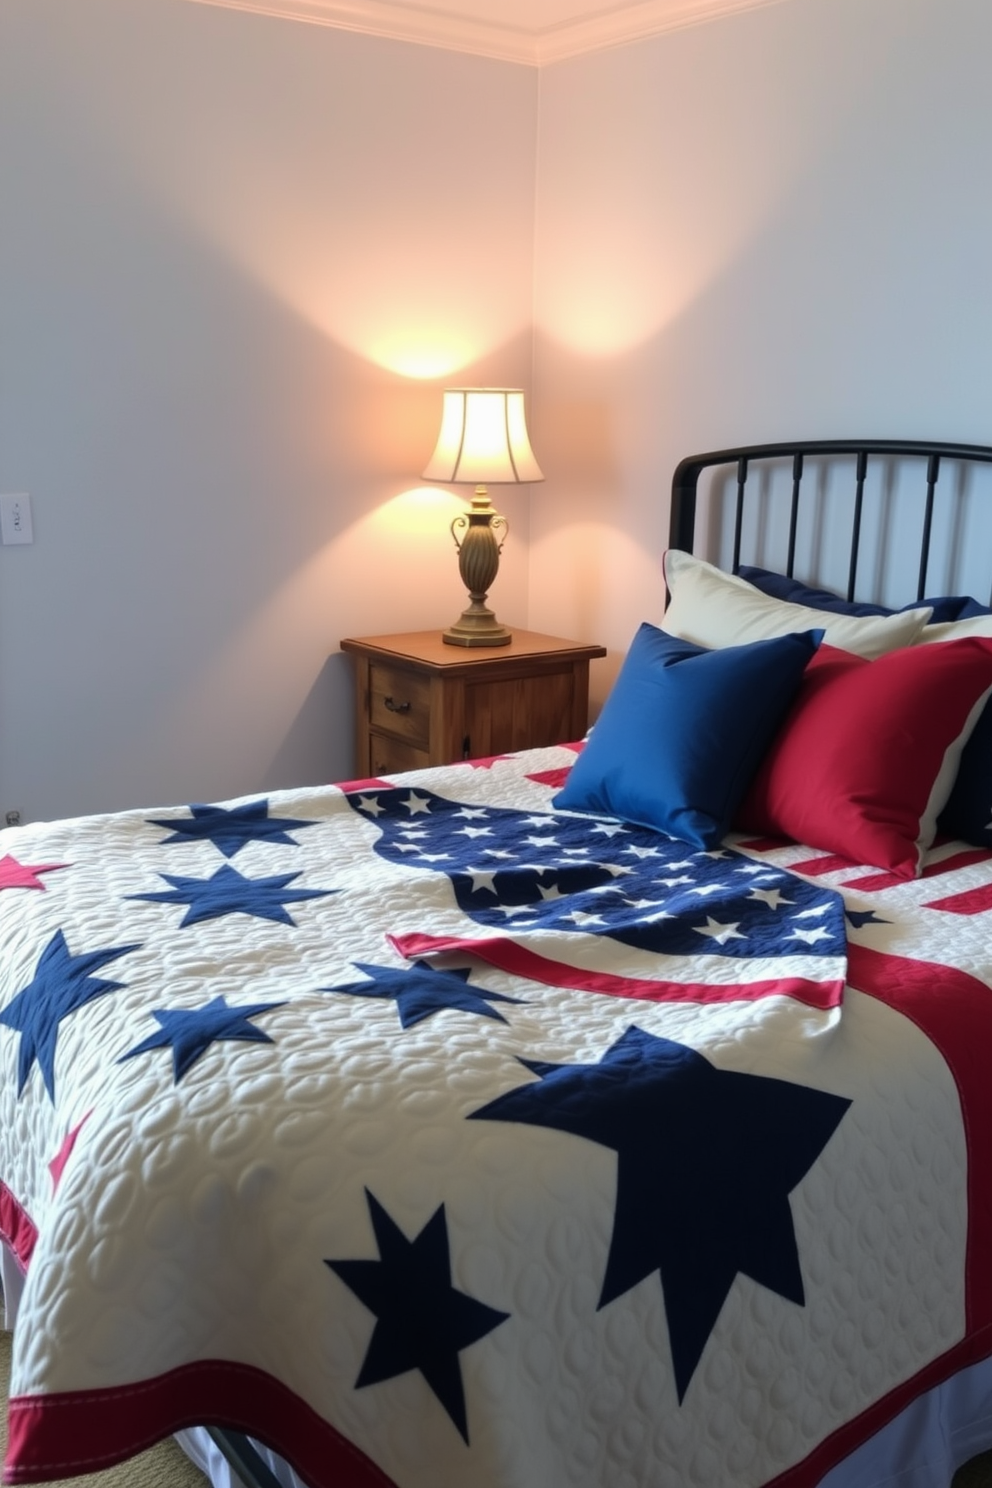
column 859, row 918
column 421, row 990
column 230, row 828
column 189, row 1032
column 62, row 983
column 422, row 1321
column 228, row 892
column 706, row 1160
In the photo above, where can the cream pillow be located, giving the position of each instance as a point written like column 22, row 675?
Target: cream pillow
column 715, row 609
column 955, row 630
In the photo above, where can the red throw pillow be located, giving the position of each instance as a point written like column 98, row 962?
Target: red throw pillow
column 867, row 755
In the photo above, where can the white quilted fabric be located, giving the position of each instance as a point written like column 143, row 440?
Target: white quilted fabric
column 192, row 1218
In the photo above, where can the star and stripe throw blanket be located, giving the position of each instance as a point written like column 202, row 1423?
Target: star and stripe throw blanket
column 431, row 1136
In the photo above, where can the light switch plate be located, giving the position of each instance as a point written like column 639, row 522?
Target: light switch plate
column 15, row 518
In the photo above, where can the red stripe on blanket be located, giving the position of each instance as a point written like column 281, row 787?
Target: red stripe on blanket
column 954, row 1010
column 16, row 1226
column 86, row 1430
column 875, row 882
column 516, row 959
column 974, row 854
column 554, row 778
column 373, row 783
column 972, row 901
column 543, row 777
column 816, row 867
column 58, row 1163
column 958, row 860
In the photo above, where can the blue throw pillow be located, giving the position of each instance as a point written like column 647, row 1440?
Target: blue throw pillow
column 780, row 586
column 684, row 730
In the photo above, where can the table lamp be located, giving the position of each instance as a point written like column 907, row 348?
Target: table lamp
column 483, row 440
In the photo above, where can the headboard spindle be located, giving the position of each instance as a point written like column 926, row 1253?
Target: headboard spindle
column 738, row 526
column 685, row 480
column 859, row 496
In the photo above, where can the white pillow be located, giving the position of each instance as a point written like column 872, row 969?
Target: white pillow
column 715, row 609
column 955, row 630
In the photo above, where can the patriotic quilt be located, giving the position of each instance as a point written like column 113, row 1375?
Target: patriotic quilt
column 434, row 1137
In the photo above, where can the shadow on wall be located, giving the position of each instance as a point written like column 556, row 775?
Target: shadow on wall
column 221, row 490
column 230, row 377
column 322, row 734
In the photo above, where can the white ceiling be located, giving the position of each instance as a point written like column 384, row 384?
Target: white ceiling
column 529, row 31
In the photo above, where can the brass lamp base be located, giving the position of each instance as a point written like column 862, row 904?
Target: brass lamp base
column 474, row 533
column 477, row 627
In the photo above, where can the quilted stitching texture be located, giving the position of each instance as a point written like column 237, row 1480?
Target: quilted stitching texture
column 191, row 1220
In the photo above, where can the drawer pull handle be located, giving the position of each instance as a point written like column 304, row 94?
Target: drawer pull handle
column 394, row 707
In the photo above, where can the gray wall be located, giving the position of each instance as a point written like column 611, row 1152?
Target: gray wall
column 777, row 225
column 239, row 259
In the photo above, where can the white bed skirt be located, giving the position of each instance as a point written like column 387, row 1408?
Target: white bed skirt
column 922, row 1448
column 11, row 1284
column 211, row 1460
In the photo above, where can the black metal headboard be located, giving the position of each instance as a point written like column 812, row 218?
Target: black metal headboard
column 687, row 473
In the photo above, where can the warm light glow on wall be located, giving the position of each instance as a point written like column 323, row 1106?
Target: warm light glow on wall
column 419, row 356
column 608, row 294
column 619, row 263
column 423, row 509
column 406, row 319
column 395, row 294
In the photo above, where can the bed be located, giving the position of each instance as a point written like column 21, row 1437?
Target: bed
column 616, row 1113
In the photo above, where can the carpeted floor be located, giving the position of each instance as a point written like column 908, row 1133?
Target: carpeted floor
column 162, row 1466
column 165, row 1466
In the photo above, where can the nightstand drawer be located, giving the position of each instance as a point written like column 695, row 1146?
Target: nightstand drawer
column 400, row 703
column 391, row 756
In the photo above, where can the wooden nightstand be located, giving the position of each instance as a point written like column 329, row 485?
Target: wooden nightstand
column 422, row 702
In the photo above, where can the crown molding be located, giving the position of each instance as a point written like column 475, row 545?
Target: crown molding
column 633, row 22
column 533, row 46
column 400, row 23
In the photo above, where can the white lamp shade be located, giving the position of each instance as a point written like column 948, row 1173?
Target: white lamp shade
column 483, row 438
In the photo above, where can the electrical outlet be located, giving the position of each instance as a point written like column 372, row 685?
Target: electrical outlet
column 15, row 518
column 13, row 818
